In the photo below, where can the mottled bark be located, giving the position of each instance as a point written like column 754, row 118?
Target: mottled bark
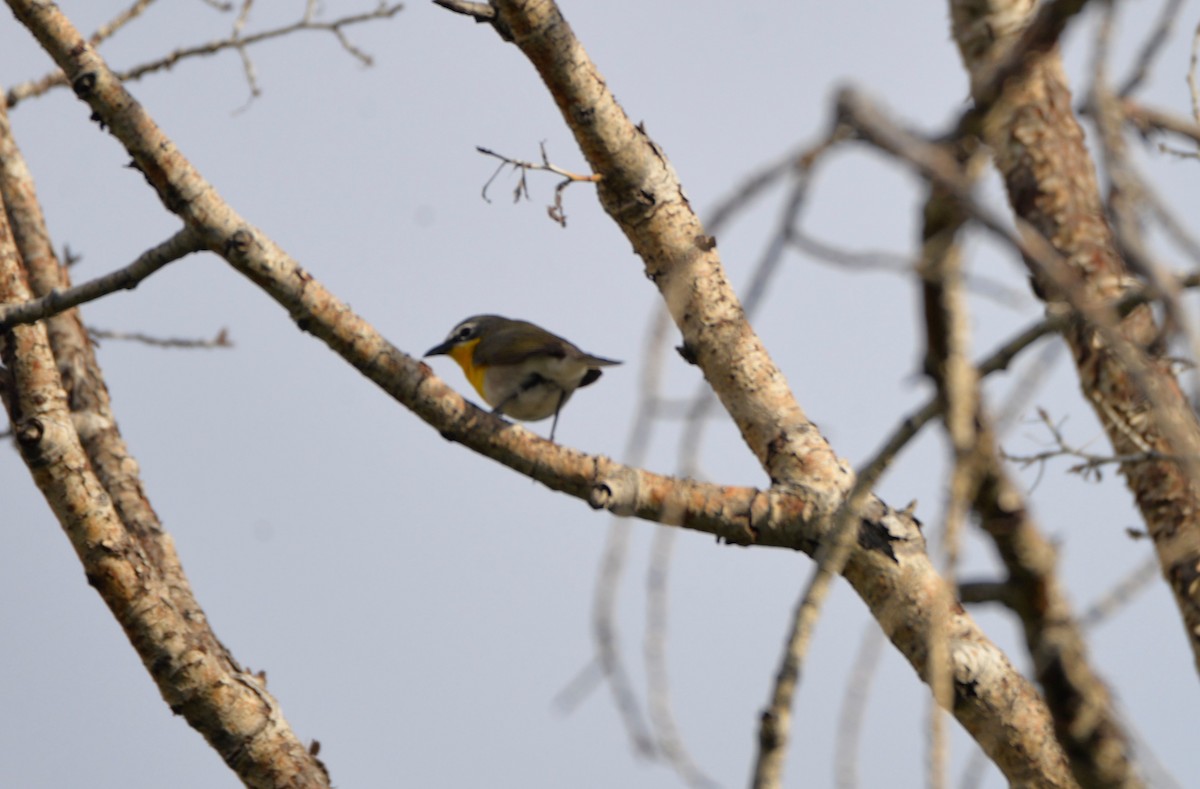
column 61, row 412
column 641, row 192
column 1086, row 723
column 1038, row 146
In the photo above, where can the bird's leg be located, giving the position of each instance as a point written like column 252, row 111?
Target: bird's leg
column 562, row 398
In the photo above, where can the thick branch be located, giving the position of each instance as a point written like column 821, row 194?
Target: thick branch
column 640, row 190
column 890, row 570
column 200, row 683
column 92, row 484
column 1051, row 182
column 1028, row 35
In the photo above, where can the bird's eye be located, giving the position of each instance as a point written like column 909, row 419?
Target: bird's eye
column 464, row 333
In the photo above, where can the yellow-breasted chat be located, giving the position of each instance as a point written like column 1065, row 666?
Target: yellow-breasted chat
column 519, row 369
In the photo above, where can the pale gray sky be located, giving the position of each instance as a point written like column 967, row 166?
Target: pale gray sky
column 417, row 607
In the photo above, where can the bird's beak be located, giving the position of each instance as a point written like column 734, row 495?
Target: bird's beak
column 439, row 350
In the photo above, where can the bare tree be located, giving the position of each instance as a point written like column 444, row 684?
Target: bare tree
column 1106, row 294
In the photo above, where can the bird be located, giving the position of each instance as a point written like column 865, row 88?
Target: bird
column 521, row 370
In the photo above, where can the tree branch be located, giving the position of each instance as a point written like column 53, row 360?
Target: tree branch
column 196, row 676
column 888, row 565
column 555, row 211
column 1051, row 182
column 110, row 28
column 1085, row 722
column 30, row 89
column 183, row 243
column 1148, row 119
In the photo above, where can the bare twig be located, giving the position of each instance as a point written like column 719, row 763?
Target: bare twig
column 1152, row 47
column 854, row 705
column 1176, row 230
column 183, row 243
column 667, row 737
column 895, row 263
column 608, row 663
column 1064, row 290
column 1024, row 388
column 27, row 90
column 522, row 189
column 1147, row 119
column 797, row 162
column 108, row 29
column 85, row 454
column 1193, row 84
column 774, row 729
column 1121, row 594
column 1092, row 463
column 775, row 720
column 220, row 341
column 248, row 69
column 604, row 634
column 239, row 24
column 830, row 559
column 1003, row 356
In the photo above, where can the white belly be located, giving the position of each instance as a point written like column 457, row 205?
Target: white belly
column 511, row 392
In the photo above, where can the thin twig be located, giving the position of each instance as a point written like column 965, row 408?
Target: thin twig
column 1193, row 85
column 607, row 664
column 248, row 69
column 555, row 211
column 183, row 243
column 1121, row 594
column 1147, row 119
column 1024, row 388
column 775, row 721
column 1152, row 47
column 667, row 737
column 604, row 634
column 30, row 89
column 801, row 161
column 1092, row 463
column 108, row 29
column 221, row 340
column 999, row 360
column 854, row 706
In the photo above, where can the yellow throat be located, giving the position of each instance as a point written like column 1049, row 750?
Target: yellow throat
column 464, row 355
